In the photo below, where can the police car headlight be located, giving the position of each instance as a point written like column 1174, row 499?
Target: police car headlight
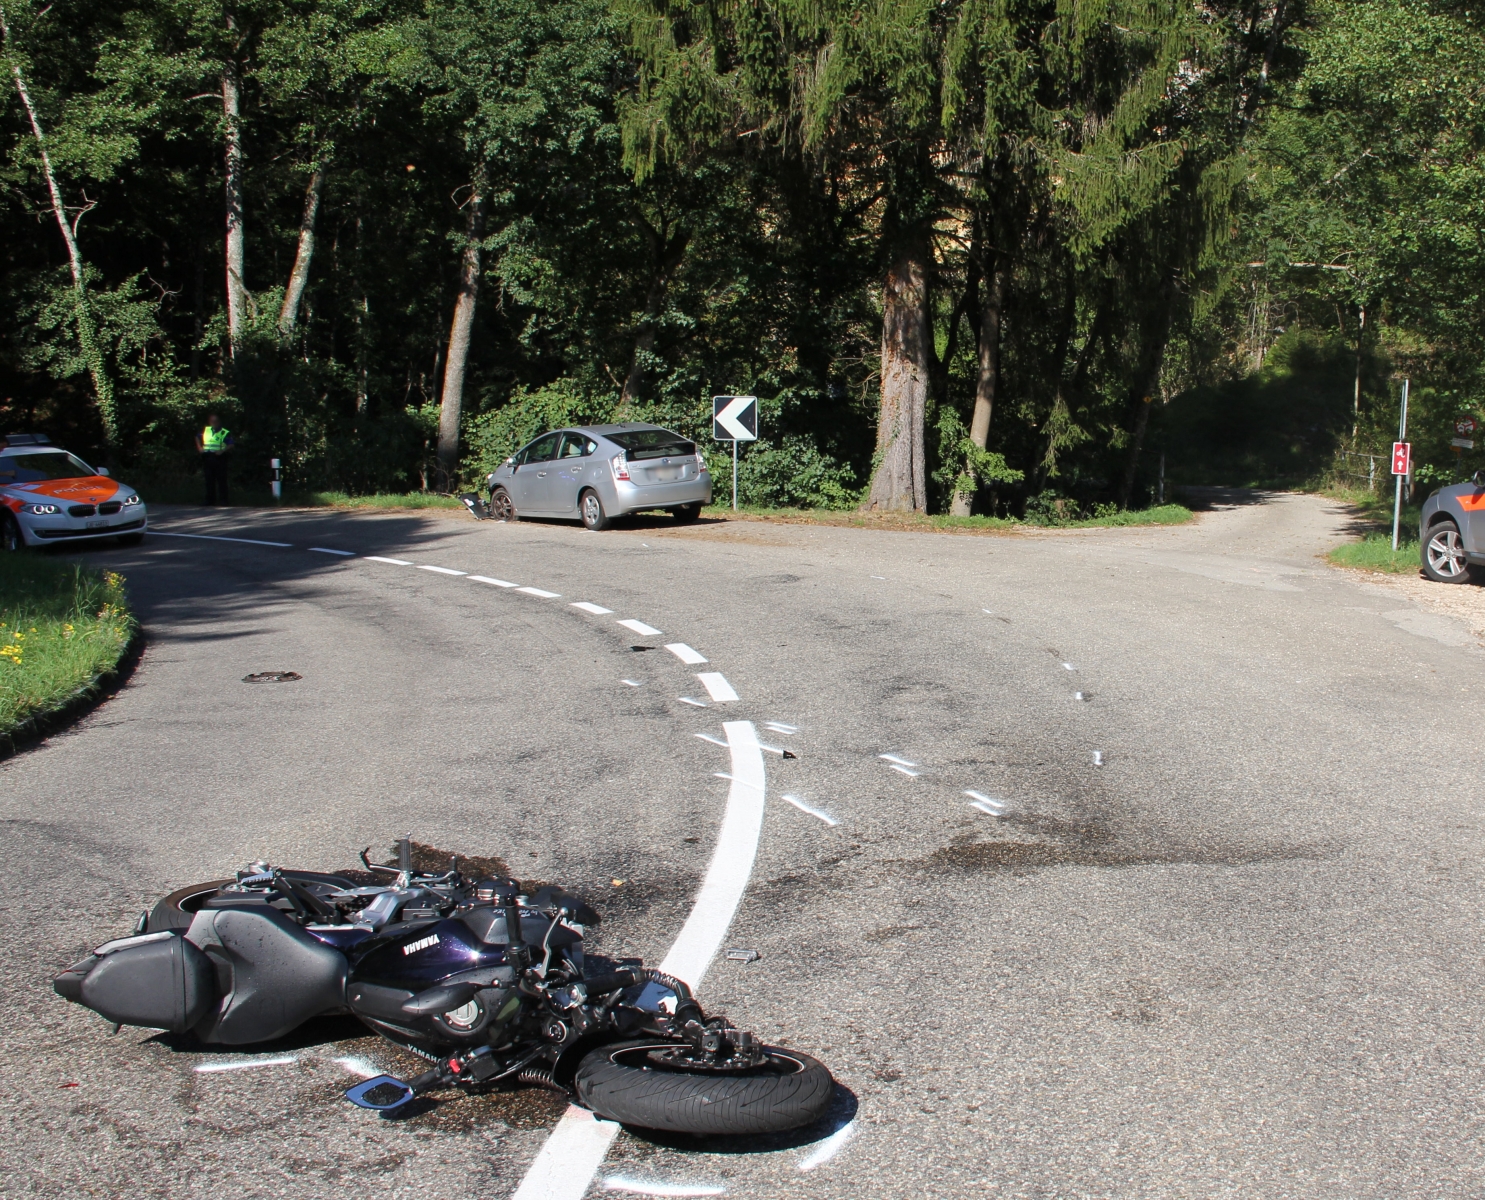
column 43, row 510
column 134, row 499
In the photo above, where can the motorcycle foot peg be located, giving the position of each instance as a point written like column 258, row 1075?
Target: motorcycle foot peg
column 381, row 1093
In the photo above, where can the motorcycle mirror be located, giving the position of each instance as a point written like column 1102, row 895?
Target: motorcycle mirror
column 381, row 1092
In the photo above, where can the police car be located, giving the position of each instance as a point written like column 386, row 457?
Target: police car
column 48, row 496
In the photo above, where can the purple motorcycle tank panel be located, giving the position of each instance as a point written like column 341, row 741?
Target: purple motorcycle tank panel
column 423, row 954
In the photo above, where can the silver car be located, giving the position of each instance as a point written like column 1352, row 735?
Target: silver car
column 595, row 473
column 1453, row 529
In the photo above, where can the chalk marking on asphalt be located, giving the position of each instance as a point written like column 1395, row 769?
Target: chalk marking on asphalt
column 203, row 537
column 596, row 609
column 496, row 582
column 282, row 1060
column 829, row 1148
column 694, row 703
column 775, row 750
column 327, row 550
column 640, row 628
column 357, row 1065
column 1069, row 666
column 987, row 809
column 717, row 686
column 396, row 562
column 1077, row 695
column 881, row 577
column 630, row 682
column 684, row 652
column 814, row 812
column 653, row 1187
column 901, row 762
column 531, row 591
column 987, row 612
column 1098, row 758
column 715, row 741
column 779, row 727
column 570, row 1159
column 984, row 799
column 905, row 771
column 442, row 570
column 731, row 778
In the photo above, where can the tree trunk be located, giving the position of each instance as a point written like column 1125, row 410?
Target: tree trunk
column 237, row 297
column 460, row 329
column 288, row 315
column 86, row 334
column 1147, row 383
column 900, row 484
column 667, row 250
column 989, row 372
column 1356, row 399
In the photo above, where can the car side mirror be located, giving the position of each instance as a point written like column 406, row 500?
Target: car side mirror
column 1479, row 479
column 102, row 471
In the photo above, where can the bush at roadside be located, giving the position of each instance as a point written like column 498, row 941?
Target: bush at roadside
column 62, row 626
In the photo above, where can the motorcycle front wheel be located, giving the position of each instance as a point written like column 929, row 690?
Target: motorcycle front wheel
column 632, row 1084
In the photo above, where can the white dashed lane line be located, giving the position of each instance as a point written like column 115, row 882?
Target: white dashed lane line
column 596, row 609
column 396, row 562
column 717, row 686
column 327, row 550
column 684, row 652
column 441, row 570
column 496, row 582
column 640, row 628
column 533, row 591
column 202, row 537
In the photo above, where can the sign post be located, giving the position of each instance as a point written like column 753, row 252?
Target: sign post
column 1402, row 463
column 735, row 419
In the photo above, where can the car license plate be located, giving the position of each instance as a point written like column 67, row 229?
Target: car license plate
column 665, row 474
column 97, row 524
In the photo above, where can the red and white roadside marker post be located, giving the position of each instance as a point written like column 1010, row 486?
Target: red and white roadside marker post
column 1402, row 463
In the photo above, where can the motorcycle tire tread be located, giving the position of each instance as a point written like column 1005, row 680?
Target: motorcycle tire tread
column 686, row 1102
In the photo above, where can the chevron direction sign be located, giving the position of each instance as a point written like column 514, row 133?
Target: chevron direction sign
column 735, row 418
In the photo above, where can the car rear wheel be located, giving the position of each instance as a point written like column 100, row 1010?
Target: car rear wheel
column 501, row 508
column 10, row 534
column 1443, row 555
column 591, row 508
column 687, row 513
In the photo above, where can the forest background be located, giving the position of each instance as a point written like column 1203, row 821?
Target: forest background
column 1000, row 256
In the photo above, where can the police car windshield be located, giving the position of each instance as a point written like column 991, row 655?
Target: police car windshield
column 38, row 468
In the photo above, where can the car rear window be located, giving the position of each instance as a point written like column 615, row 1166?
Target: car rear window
column 651, row 443
column 38, row 468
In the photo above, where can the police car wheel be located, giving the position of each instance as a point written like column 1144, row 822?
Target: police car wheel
column 131, row 539
column 10, row 534
column 1443, row 555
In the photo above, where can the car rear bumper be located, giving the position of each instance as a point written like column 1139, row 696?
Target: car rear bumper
column 632, row 497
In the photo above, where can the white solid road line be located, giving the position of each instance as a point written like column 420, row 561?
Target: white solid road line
column 596, row 609
column 640, row 628
column 531, row 591
column 396, row 562
column 684, row 652
column 657, row 1187
column 496, row 582
column 717, row 686
column 442, row 570
column 327, row 550
column 202, row 537
column 565, row 1167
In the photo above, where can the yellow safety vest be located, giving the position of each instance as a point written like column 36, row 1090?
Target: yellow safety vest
column 214, row 441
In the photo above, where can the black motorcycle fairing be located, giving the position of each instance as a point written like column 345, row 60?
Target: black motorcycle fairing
column 487, row 923
column 280, row 975
column 160, row 981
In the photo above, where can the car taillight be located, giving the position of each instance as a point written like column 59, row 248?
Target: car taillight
column 620, row 466
column 700, row 465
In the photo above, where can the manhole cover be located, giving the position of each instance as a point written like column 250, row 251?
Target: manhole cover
column 272, row 677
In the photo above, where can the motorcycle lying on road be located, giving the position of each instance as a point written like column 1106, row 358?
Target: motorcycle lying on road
column 489, row 985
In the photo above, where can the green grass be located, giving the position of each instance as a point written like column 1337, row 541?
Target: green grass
column 383, row 500
column 1167, row 514
column 62, row 626
column 1375, row 553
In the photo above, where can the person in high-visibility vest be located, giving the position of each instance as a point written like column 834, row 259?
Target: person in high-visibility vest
column 213, row 443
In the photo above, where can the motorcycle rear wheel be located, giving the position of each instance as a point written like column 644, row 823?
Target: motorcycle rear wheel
column 623, row 1083
column 177, row 910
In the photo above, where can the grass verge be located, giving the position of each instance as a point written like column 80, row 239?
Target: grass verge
column 1375, row 553
column 384, row 500
column 1167, row 514
column 62, row 628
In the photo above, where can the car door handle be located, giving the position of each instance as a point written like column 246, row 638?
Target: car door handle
column 541, row 474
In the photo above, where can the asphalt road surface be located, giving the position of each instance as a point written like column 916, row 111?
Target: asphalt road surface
column 1211, row 930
